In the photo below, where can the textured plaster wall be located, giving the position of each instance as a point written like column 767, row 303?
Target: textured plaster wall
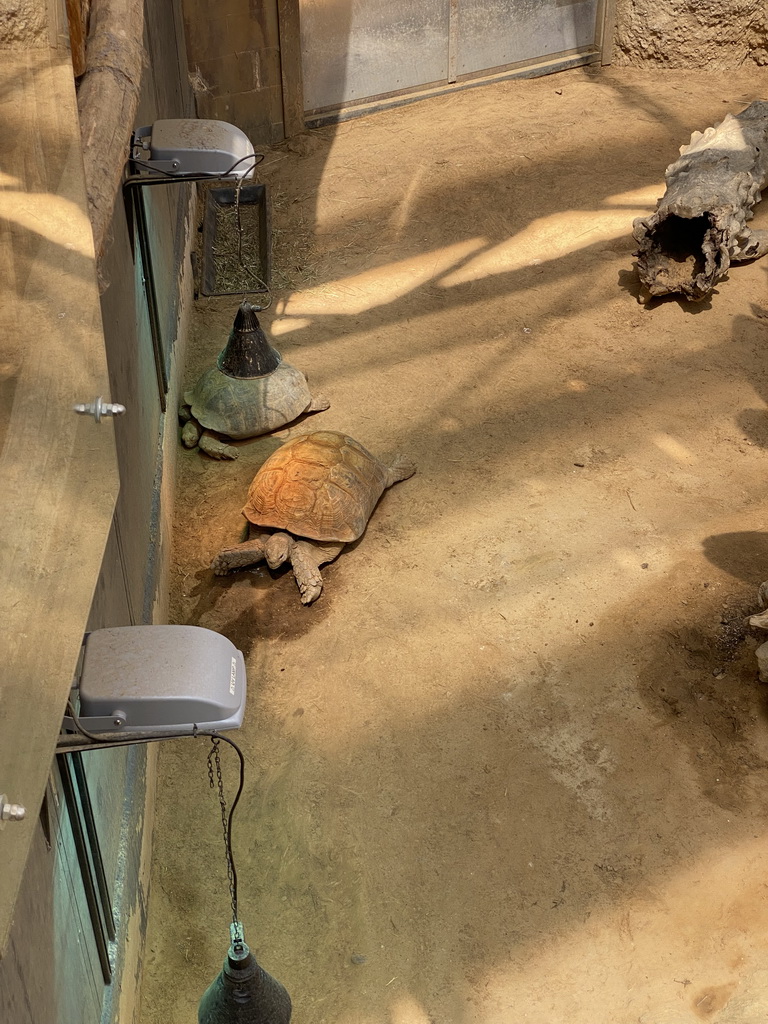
column 23, row 23
column 712, row 34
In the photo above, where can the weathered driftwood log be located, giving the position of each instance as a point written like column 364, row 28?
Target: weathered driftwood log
column 699, row 227
column 107, row 99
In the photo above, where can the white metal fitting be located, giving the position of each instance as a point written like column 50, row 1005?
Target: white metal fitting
column 97, row 409
column 9, row 811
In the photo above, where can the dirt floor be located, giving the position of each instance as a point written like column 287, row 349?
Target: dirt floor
column 513, row 764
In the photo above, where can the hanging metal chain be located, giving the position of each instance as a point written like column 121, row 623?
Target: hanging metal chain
column 214, row 758
column 262, row 285
column 240, row 260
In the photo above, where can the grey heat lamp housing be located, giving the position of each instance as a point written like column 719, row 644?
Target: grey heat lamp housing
column 171, row 152
column 145, row 679
column 194, row 146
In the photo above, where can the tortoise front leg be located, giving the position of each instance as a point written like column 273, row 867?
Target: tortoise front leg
column 249, row 552
column 306, row 558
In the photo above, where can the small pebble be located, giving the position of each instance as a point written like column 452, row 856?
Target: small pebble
column 644, row 565
column 358, row 958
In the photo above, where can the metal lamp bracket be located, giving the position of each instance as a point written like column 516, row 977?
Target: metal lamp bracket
column 96, row 723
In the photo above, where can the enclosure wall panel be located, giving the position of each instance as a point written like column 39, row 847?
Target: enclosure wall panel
column 493, row 33
column 352, row 49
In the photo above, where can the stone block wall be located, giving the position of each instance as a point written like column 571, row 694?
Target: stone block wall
column 234, row 62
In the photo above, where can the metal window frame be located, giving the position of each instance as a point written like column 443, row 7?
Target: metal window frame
column 296, row 119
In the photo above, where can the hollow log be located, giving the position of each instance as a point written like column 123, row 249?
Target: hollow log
column 107, row 99
column 700, row 224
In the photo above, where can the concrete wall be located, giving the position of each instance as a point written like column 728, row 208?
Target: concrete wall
column 714, row 35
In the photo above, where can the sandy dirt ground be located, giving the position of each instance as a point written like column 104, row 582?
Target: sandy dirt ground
column 513, row 764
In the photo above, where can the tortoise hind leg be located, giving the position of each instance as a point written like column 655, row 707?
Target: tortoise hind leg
column 401, row 469
column 318, row 404
column 215, row 448
column 306, row 559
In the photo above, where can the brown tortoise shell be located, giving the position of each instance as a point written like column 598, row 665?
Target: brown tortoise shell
column 323, row 486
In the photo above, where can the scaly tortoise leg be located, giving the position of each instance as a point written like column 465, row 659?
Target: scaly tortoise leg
column 318, row 404
column 215, row 448
column 760, row 620
column 249, row 552
column 306, row 558
column 401, row 469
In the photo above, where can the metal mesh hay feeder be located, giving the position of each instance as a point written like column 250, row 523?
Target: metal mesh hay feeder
column 235, row 256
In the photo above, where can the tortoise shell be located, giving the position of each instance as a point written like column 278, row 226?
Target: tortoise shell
column 323, row 486
column 239, row 407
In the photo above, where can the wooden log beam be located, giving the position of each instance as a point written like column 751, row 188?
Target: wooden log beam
column 78, row 21
column 107, row 100
column 290, row 67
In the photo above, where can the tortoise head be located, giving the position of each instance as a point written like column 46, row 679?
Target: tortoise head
column 248, row 352
column 277, row 549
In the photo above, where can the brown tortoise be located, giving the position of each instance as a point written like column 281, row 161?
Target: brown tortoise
column 309, row 499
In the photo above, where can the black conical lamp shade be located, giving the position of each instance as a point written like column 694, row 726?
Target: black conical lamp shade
column 248, row 353
column 244, row 993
